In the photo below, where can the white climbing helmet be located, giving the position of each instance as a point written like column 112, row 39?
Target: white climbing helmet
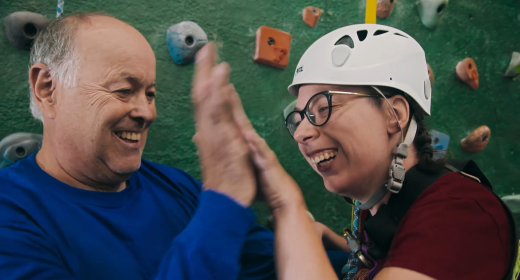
column 368, row 55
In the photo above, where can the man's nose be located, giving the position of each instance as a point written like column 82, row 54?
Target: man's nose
column 305, row 132
column 143, row 108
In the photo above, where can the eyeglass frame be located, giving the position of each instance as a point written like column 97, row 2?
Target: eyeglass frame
column 328, row 94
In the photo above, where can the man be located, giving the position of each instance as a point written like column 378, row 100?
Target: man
column 86, row 206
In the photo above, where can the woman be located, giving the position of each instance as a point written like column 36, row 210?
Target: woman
column 363, row 91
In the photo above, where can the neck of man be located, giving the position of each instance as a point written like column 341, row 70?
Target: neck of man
column 408, row 163
column 48, row 162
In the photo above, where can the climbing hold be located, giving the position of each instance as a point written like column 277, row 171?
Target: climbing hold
column 430, row 74
column 272, row 47
column 384, row 8
column 184, row 40
column 467, row 72
column 477, row 140
column 431, row 11
column 311, row 15
column 18, row 146
column 513, row 70
column 22, row 27
column 440, row 142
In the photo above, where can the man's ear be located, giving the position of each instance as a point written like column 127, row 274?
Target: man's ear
column 43, row 89
column 402, row 110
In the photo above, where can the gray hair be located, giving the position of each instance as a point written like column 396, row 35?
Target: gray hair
column 54, row 47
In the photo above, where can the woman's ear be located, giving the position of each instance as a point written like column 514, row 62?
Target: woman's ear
column 402, row 110
column 43, row 88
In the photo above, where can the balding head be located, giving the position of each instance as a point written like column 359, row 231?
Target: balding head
column 55, row 47
column 93, row 85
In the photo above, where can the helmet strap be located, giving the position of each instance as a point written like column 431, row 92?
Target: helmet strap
column 397, row 171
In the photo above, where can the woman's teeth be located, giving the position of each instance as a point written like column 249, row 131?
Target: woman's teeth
column 129, row 135
column 322, row 159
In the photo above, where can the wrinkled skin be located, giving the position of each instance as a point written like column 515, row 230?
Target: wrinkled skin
column 115, row 92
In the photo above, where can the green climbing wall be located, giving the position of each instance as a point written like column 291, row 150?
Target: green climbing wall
column 486, row 30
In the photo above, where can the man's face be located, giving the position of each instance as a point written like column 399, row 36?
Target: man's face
column 101, row 124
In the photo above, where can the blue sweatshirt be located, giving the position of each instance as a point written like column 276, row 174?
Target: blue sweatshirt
column 162, row 226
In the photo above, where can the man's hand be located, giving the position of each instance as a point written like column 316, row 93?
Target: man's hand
column 224, row 156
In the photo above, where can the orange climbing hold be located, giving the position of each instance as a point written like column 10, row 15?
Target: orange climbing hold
column 272, row 47
column 385, row 8
column 477, row 140
column 467, row 72
column 311, row 15
column 430, row 74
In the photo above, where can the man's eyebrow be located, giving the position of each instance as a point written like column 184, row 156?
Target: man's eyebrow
column 154, row 84
column 135, row 81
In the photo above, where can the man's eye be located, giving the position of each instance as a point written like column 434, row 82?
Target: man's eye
column 151, row 94
column 124, row 91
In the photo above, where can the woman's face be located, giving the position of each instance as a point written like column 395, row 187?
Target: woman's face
column 355, row 139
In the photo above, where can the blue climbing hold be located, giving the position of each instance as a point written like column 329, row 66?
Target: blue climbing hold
column 18, row 146
column 440, row 143
column 184, row 40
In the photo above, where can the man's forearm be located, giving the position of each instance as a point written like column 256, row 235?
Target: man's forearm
column 211, row 246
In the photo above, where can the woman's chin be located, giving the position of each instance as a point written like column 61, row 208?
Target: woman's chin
column 334, row 188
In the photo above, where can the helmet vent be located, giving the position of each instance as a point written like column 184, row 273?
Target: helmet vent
column 379, row 32
column 362, row 35
column 399, row 34
column 345, row 40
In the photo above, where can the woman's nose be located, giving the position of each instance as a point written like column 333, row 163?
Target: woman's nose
column 305, row 132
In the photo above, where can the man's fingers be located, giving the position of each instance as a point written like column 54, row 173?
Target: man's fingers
column 212, row 108
column 238, row 111
column 220, row 77
column 205, row 62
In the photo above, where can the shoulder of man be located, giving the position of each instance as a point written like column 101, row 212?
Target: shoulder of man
column 170, row 174
column 12, row 177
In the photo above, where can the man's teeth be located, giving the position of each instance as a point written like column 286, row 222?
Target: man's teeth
column 129, row 135
column 319, row 158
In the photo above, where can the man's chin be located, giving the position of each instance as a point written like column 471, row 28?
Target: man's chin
column 125, row 169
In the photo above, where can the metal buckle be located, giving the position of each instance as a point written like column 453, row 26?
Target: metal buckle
column 355, row 248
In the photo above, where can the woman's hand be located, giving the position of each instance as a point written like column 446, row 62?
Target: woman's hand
column 277, row 188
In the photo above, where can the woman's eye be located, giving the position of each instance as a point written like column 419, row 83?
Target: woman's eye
column 150, row 94
column 297, row 123
column 323, row 109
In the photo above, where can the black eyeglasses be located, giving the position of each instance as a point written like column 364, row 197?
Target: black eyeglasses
column 317, row 110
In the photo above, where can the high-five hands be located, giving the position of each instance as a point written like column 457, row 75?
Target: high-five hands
column 224, row 155
column 230, row 150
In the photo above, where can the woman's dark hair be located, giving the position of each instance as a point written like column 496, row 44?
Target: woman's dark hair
column 423, row 139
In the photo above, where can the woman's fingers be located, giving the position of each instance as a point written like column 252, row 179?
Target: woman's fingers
column 263, row 156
